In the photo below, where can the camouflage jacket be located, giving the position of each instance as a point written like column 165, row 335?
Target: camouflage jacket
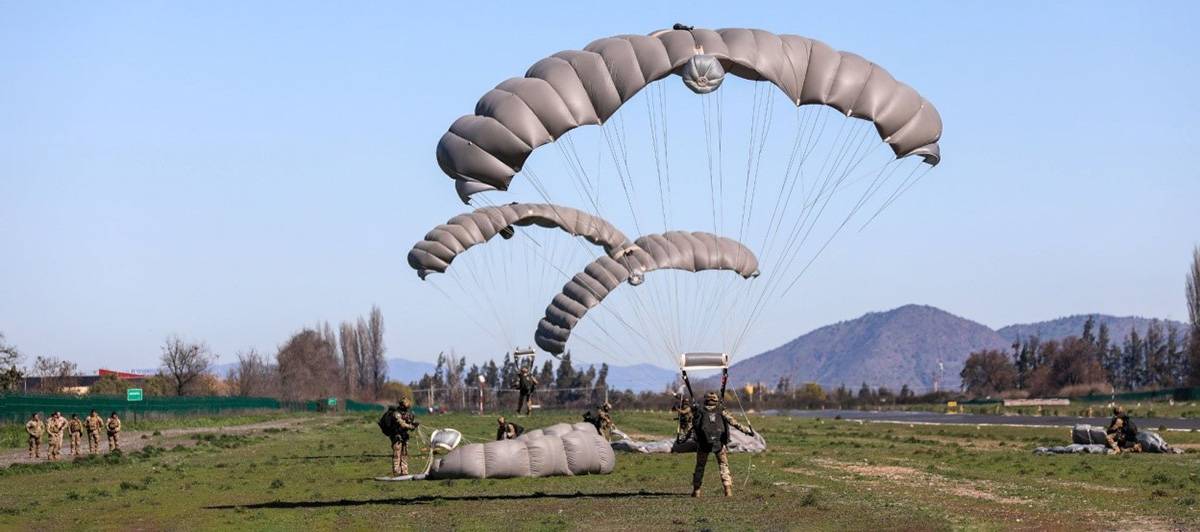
column 35, row 428
column 93, row 424
column 114, row 425
column 74, row 426
column 55, row 426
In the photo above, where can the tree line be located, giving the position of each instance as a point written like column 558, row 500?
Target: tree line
column 455, row 386
column 1163, row 356
column 315, row 362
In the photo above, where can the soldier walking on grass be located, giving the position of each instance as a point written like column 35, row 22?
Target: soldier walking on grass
column 94, row 424
column 54, row 428
column 34, row 428
column 526, row 384
column 75, row 428
column 400, row 421
column 114, row 430
column 683, row 414
column 711, row 424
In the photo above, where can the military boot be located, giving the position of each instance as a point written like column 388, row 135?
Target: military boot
column 696, row 491
column 728, row 490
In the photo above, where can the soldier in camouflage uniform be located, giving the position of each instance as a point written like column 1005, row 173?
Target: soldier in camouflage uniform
column 1121, row 433
column 34, row 428
column 94, row 424
column 404, row 421
column 604, row 413
column 683, row 414
column 711, row 424
column 54, row 428
column 506, row 430
column 526, row 384
column 75, row 429
column 114, row 430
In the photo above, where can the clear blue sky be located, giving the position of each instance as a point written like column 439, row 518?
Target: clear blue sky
column 233, row 171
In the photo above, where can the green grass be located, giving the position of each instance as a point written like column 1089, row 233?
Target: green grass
column 819, row 474
column 14, row 436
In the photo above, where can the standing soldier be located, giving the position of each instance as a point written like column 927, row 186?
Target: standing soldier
column 75, row 427
column 54, row 428
column 114, row 428
column 94, row 424
column 711, row 425
column 506, row 430
column 683, row 414
column 604, row 413
column 526, row 384
column 35, row 427
column 403, row 421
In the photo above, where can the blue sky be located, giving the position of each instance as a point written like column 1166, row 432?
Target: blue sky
column 231, row 172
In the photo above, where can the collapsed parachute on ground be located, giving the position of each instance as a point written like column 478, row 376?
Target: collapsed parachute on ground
column 557, row 450
column 483, row 151
column 1092, row 439
column 738, row 443
column 675, row 250
column 445, row 242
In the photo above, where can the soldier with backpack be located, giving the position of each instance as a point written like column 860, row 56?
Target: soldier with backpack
column 396, row 424
column 1122, row 432
column 710, row 425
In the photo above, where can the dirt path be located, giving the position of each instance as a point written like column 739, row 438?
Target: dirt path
column 136, row 440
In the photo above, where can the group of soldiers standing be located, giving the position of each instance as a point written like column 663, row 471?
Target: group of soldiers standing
column 58, row 426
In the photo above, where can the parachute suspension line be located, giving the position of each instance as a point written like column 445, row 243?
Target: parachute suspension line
column 467, row 313
column 900, row 190
column 787, row 173
column 652, row 120
column 486, row 304
column 705, row 105
column 621, row 175
column 579, row 180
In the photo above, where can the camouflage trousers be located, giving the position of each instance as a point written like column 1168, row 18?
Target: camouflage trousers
column 524, row 401
column 75, row 436
column 399, row 458
column 55, row 446
column 722, row 465
column 114, row 442
column 35, row 446
column 93, row 442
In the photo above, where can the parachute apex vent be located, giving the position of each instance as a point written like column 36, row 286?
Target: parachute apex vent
column 695, row 361
column 703, row 73
column 445, row 439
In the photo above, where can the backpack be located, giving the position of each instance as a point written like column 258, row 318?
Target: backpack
column 710, row 426
column 387, row 423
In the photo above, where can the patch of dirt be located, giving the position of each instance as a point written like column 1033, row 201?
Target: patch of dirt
column 133, row 441
column 907, row 476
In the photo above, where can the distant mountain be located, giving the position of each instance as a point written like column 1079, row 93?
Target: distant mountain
column 1118, row 327
column 892, row 348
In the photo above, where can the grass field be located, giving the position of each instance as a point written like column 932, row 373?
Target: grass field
column 819, row 474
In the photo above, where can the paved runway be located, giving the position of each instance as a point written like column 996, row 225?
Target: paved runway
column 983, row 419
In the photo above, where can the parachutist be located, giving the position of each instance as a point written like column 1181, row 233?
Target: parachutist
column 526, row 384
column 396, row 424
column 710, row 425
column 506, row 430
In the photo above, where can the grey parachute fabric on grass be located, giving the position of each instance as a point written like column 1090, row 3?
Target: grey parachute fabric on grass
column 561, row 449
column 445, row 242
column 482, row 151
column 675, row 250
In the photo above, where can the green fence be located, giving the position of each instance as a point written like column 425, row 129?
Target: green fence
column 17, row 408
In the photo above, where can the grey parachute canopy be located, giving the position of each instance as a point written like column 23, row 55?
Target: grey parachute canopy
column 445, row 242
column 482, row 151
column 674, row 250
column 557, row 450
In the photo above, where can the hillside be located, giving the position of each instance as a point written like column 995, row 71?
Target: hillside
column 1057, row 329
column 892, row 348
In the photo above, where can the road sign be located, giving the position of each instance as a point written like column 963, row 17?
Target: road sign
column 133, row 394
column 332, row 401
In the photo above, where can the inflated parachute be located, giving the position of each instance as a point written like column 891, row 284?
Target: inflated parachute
column 445, row 242
column 674, row 250
column 561, row 449
column 483, row 151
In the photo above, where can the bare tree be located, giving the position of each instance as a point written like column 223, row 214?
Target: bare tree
column 347, row 339
column 307, row 361
column 55, row 374
column 9, row 356
column 184, row 363
column 1193, row 303
column 10, row 376
column 376, row 350
column 253, row 376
